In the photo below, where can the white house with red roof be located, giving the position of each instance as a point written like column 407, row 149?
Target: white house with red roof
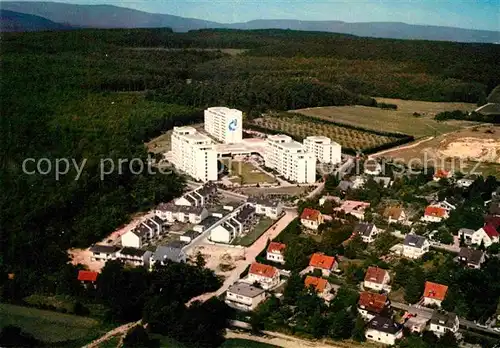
column 434, row 294
column 322, row 262
column 311, row 218
column 442, row 174
column 377, row 279
column 276, row 252
column 267, row 276
column 487, row 235
column 434, row 213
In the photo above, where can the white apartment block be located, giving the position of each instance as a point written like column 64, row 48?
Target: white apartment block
column 194, row 154
column 325, row 150
column 289, row 158
column 224, row 124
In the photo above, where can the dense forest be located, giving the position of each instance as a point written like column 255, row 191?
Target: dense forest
column 88, row 95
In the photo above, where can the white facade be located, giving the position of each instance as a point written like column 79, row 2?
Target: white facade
column 224, row 124
column 131, row 239
column 245, row 296
column 442, row 323
column 222, row 235
column 272, row 211
column 383, row 337
column 415, row 252
column 325, row 150
column 194, row 153
column 289, row 158
column 480, row 236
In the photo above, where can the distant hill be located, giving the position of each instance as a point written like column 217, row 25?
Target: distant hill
column 11, row 21
column 106, row 16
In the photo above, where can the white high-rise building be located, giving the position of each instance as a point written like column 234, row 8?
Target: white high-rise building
column 194, row 153
column 325, row 150
column 224, row 124
column 289, row 158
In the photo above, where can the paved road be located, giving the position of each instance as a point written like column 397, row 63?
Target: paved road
column 251, row 253
column 426, row 313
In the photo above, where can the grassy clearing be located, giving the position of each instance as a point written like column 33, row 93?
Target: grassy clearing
column 247, row 173
column 230, row 51
column 50, row 327
column 290, row 190
column 399, row 121
column 242, row 343
column 299, row 128
column 254, row 234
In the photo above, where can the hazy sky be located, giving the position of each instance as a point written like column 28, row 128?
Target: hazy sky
column 476, row 14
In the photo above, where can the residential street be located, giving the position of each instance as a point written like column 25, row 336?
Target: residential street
column 250, row 253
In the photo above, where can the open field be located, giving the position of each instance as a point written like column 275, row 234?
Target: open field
column 243, row 343
column 50, row 327
column 247, row 173
column 401, row 120
column 254, row 234
column 473, row 149
column 300, row 127
column 290, row 190
column 230, row 51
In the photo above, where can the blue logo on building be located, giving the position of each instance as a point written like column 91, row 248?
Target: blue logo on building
column 233, row 125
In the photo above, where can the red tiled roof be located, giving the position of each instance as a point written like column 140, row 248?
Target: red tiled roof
column 318, row 283
column 435, row 211
column 490, row 230
column 435, row 291
column 322, row 261
column 263, row 270
column 493, row 221
column 372, row 302
column 375, row 275
column 441, row 174
column 310, row 214
column 87, row 276
column 275, row 247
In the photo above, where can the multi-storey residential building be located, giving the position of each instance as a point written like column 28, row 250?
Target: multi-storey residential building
column 325, row 150
column 194, row 154
column 289, row 158
column 245, row 296
column 224, row 124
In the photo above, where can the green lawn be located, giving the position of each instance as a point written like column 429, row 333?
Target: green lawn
column 254, row 234
column 247, row 173
column 241, row 343
column 51, row 327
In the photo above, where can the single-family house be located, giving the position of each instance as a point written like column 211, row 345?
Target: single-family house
column 101, row 252
column 355, row 208
column 487, row 235
column 367, row 231
column 472, row 258
column 441, row 174
column 321, row 286
column 245, row 296
column 223, row 233
column 442, row 322
column 464, row 183
column 434, row 294
column 466, row 234
column 188, row 236
column 276, row 252
column 377, row 279
column 371, row 167
column 325, row 199
column 416, row 324
column 311, row 218
column 322, row 262
column 435, row 214
column 272, row 208
column 170, row 252
column 358, row 181
column 383, row 330
column 134, row 256
column 395, row 215
column 135, row 238
column 87, row 277
column 267, row 276
column 414, row 246
column 371, row 304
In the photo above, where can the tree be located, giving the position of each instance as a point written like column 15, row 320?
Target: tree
column 448, row 340
column 317, row 324
column 13, row 336
column 358, row 333
column 414, row 286
column 137, row 337
column 200, row 260
column 341, row 324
